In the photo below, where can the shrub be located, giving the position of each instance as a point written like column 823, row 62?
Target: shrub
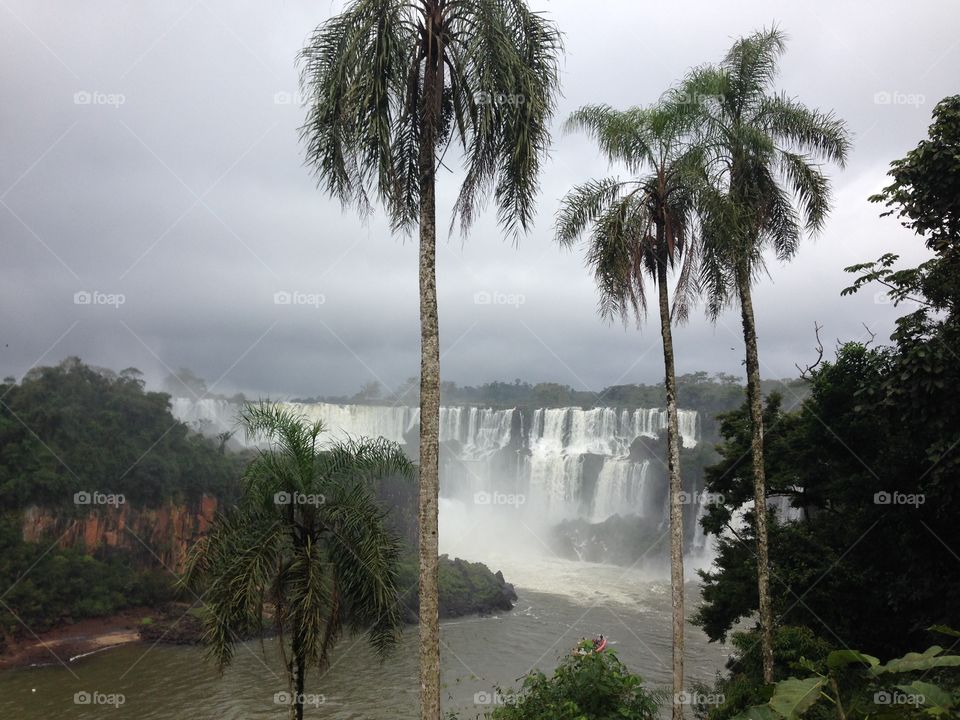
column 595, row 686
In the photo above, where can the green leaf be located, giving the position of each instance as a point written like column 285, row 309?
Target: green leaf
column 945, row 630
column 841, row 658
column 792, row 697
column 926, row 660
column 933, row 697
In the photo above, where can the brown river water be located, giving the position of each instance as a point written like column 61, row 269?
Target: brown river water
column 559, row 602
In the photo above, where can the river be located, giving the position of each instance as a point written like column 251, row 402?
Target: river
column 559, row 602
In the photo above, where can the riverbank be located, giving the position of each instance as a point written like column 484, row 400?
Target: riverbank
column 72, row 641
column 467, row 589
column 479, row 654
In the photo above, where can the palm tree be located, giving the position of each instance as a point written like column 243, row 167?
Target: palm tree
column 765, row 156
column 643, row 227
column 391, row 84
column 308, row 540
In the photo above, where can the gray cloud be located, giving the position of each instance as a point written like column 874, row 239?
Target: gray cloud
column 176, row 180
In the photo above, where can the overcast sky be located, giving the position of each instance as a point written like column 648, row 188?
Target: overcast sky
column 150, row 151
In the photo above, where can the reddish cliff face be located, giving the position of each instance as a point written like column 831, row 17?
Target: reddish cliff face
column 162, row 534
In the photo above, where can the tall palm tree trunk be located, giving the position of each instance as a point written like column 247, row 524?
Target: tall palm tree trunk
column 429, row 408
column 299, row 666
column 673, row 469
column 301, row 673
column 759, row 476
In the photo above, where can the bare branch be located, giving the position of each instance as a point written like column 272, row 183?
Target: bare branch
column 806, row 373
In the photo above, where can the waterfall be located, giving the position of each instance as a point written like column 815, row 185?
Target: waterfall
column 207, row 415
column 355, row 421
column 621, row 490
column 785, row 511
column 565, row 462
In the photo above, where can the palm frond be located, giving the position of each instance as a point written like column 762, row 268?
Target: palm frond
column 804, row 130
column 583, row 205
column 623, row 136
column 504, row 60
column 322, row 559
column 364, row 556
column 811, row 187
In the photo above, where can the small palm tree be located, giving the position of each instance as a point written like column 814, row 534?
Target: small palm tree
column 765, row 155
column 308, row 540
column 391, row 85
column 643, row 227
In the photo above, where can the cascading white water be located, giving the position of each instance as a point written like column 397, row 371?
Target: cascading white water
column 355, row 421
column 491, row 451
column 561, row 437
column 622, row 490
column 207, row 415
column 785, row 511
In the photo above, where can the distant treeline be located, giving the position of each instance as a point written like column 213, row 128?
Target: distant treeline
column 708, row 394
column 71, row 434
column 74, row 428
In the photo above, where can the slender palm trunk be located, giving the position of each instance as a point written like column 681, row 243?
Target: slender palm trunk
column 673, row 469
column 298, row 668
column 301, row 673
column 429, row 409
column 759, row 477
